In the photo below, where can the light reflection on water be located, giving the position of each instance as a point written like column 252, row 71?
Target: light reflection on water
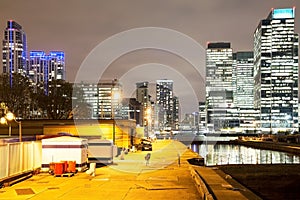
column 222, row 154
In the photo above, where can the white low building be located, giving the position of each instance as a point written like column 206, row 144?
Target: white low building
column 64, row 148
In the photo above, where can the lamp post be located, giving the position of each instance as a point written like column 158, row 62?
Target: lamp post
column 9, row 116
column 148, row 119
column 115, row 96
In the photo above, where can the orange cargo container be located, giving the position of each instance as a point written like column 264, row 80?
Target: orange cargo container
column 59, row 168
column 71, row 166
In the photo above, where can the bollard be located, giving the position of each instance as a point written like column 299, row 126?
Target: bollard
column 92, row 170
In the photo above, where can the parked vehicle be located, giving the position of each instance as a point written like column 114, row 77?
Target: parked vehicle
column 145, row 145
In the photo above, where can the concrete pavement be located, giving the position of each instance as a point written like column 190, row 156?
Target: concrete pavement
column 128, row 179
column 125, row 179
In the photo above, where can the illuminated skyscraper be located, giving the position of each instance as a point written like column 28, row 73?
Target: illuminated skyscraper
column 44, row 68
column 244, row 82
column 142, row 93
column 56, row 69
column 164, row 98
column 276, row 71
column 143, row 97
column 14, row 49
column 37, row 67
column 219, row 85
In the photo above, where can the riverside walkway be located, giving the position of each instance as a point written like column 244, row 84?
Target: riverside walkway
column 163, row 178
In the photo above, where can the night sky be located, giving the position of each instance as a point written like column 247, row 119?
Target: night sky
column 77, row 26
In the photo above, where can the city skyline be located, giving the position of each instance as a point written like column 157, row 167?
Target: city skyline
column 66, row 31
column 202, row 21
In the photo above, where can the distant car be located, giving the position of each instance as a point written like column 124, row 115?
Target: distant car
column 145, row 141
column 145, row 145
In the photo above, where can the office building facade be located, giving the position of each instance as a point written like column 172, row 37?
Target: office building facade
column 244, row 82
column 219, row 85
column 276, row 71
column 103, row 98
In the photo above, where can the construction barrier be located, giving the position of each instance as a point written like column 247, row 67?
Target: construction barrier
column 19, row 157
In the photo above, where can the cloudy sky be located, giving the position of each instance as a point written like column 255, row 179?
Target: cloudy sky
column 78, row 26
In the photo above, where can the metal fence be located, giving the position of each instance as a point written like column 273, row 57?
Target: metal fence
column 19, row 157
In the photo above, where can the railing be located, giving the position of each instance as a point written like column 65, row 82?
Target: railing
column 19, row 157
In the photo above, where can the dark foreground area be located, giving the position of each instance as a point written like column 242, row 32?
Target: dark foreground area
column 277, row 181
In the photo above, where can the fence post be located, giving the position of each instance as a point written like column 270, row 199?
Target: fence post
column 8, row 159
column 32, row 155
column 21, row 157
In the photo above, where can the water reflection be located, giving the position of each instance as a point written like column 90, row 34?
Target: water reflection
column 221, row 154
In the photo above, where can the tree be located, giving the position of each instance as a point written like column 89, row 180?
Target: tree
column 81, row 109
column 56, row 100
column 16, row 94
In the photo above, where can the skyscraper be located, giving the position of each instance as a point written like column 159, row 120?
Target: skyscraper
column 219, row 85
column 37, row 67
column 142, row 93
column 14, row 49
column 175, row 113
column 56, row 60
column 143, row 97
column 44, row 68
column 244, row 82
column 276, row 71
column 164, row 98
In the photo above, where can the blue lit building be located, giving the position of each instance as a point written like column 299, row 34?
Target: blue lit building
column 276, row 71
column 39, row 67
column 14, row 49
column 44, row 68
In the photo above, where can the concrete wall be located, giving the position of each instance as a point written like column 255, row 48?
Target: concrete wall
column 125, row 130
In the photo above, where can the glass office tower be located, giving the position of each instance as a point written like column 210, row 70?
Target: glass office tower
column 243, row 79
column 219, row 86
column 276, row 71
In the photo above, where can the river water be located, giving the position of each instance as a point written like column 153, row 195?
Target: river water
column 223, row 154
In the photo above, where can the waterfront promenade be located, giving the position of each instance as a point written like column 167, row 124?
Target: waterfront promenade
column 128, row 179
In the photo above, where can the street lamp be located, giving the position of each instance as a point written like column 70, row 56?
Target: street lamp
column 115, row 98
column 9, row 116
column 148, row 119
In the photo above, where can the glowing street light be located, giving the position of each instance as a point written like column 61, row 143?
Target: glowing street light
column 8, row 117
column 115, row 97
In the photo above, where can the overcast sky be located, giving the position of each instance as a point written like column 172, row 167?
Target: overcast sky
column 78, row 26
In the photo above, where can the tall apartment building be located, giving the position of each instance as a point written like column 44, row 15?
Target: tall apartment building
column 142, row 93
column 57, row 70
column 276, row 71
column 143, row 97
column 14, row 49
column 39, row 67
column 165, row 99
column 219, row 86
column 45, row 68
column 175, row 113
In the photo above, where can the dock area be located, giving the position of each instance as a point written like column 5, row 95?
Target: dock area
column 168, row 175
